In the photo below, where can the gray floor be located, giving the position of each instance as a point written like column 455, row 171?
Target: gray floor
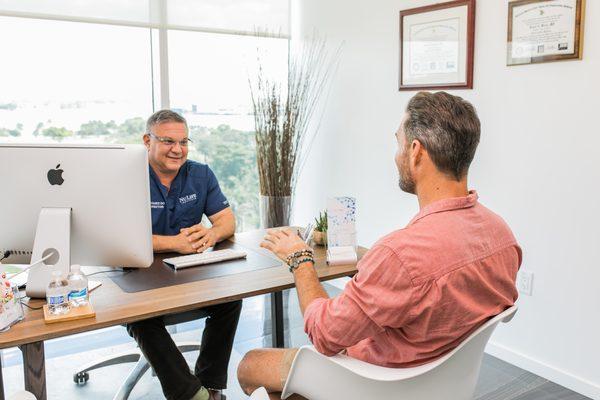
column 498, row 380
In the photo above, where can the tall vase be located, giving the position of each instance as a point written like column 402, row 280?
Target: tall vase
column 275, row 211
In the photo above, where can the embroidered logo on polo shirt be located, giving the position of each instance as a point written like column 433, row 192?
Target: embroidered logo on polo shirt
column 187, row 199
column 157, row 204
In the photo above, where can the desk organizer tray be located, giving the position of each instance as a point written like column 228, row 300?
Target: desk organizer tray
column 74, row 313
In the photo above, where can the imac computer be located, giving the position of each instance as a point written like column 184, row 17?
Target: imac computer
column 74, row 204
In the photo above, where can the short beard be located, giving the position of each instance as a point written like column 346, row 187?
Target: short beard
column 407, row 185
column 406, row 181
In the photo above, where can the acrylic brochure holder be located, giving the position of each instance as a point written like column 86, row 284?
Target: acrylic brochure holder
column 53, row 235
column 341, row 230
column 11, row 309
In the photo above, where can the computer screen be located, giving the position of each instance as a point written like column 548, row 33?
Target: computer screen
column 87, row 205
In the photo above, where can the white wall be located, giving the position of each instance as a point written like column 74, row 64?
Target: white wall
column 537, row 166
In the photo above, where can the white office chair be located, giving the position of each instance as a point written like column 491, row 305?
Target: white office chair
column 259, row 394
column 23, row 395
column 453, row 376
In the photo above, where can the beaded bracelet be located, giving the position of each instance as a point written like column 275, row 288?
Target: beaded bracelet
column 300, row 253
column 296, row 263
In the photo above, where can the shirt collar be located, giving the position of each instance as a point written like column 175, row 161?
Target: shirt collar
column 176, row 182
column 450, row 204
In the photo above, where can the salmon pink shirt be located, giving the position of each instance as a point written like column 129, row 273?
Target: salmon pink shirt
column 421, row 290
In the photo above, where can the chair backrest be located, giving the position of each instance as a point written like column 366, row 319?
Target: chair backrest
column 22, row 395
column 457, row 372
column 474, row 344
column 260, row 394
column 452, row 376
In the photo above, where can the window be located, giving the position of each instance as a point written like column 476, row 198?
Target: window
column 209, row 86
column 80, row 82
column 75, row 82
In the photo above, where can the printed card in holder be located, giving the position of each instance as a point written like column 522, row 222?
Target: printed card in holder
column 341, row 230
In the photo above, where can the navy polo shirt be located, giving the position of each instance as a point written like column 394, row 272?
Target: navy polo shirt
column 194, row 191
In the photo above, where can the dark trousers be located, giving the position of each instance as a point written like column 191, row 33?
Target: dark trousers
column 176, row 379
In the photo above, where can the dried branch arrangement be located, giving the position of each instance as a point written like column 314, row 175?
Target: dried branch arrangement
column 283, row 113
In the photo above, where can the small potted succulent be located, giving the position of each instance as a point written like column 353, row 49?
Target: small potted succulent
column 320, row 232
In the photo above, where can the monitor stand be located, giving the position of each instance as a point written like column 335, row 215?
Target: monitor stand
column 53, row 234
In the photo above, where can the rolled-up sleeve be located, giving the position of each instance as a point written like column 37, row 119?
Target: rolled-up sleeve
column 378, row 296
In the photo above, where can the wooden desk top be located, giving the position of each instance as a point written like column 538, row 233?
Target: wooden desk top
column 114, row 307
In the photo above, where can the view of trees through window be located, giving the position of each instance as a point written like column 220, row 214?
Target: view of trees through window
column 92, row 83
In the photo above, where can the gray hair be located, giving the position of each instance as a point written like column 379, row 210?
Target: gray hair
column 448, row 128
column 162, row 116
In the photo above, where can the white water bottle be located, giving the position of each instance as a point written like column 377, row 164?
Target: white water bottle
column 78, row 287
column 57, row 294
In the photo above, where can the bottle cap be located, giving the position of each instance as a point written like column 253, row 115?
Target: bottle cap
column 57, row 273
column 75, row 267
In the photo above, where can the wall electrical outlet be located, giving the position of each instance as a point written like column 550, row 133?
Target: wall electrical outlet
column 525, row 282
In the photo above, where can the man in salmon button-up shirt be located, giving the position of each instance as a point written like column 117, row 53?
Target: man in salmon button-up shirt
column 422, row 289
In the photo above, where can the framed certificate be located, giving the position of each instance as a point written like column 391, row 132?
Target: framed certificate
column 544, row 30
column 437, row 45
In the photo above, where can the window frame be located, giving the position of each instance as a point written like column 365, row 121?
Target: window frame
column 159, row 8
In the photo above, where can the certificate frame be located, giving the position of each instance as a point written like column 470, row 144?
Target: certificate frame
column 451, row 63
column 530, row 47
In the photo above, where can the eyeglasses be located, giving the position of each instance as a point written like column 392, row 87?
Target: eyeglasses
column 170, row 142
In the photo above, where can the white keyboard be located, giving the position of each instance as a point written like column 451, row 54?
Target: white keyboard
column 204, row 258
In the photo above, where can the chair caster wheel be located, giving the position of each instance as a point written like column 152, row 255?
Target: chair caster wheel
column 81, row 378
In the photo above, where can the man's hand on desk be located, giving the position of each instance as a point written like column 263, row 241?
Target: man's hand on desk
column 178, row 243
column 194, row 239
column 200, row 237
column 283, row 242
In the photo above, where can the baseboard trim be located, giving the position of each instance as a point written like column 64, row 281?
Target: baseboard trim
column 546, row 371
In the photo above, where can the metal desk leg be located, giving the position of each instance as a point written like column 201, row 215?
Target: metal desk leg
column 277, row 319
column 34, row 369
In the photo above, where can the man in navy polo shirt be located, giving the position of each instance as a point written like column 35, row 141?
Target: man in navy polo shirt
column 181, row 192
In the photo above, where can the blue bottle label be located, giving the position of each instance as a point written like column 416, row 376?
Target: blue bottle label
column 78, row 294
column 56, row 300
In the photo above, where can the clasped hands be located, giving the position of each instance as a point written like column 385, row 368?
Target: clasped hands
column 195, row 239
column 283, row 242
